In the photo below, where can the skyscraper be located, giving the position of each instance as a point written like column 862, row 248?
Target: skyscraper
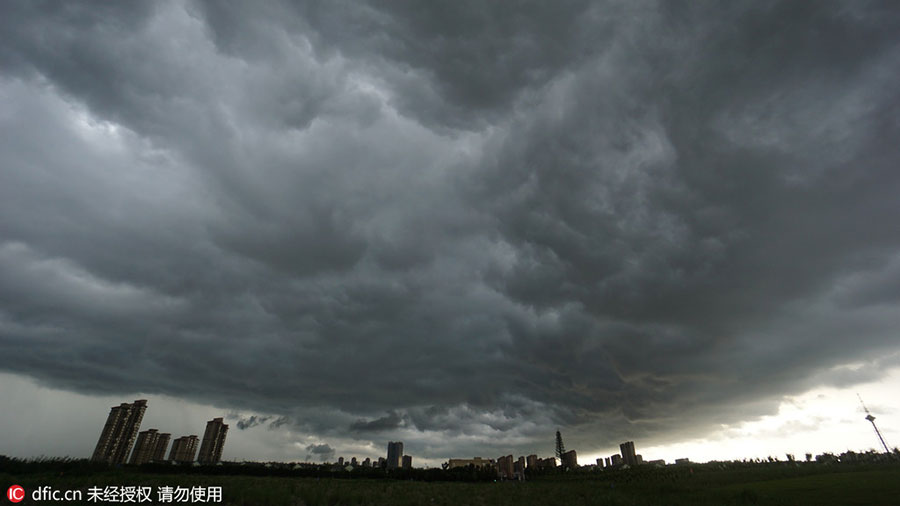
column 394, row 454
column 119, row 432
column 407, row 462
column 162, row 443
column 184, row 449
column 145, row 447
column 213, row 441
column 628, row 455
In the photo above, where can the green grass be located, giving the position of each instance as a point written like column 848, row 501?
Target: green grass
column 708, row 485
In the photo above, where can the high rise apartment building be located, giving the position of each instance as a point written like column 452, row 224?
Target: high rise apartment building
column 119, row 432
column 628, row 456
column 570, row 460
column 145, row 447
column 213, row 441
column 184, row 449
column 162, row 443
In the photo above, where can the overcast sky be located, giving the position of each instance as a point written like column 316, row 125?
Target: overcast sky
column 458, row 224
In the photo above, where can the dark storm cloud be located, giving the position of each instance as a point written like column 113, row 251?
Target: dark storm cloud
column 464, row 225
column 392, row 420
column 254, row 420
column 320, row 452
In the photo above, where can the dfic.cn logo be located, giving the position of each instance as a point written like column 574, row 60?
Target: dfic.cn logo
column 15, row 493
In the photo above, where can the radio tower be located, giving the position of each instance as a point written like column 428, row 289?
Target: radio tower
column 871, row 418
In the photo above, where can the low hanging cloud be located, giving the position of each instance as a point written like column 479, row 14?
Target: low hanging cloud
column 319, row 452
column 253, row 420
column 457, row 225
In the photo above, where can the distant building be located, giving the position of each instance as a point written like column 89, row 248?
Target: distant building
column 519, row 468
column 628, row 456
column 382, row 462
column 407, row 462
column 682, row 461
column 505, row 467
column 600, row 462
column 638, row 459
column 657, row 462
column 616, row 460
column 353, row 462
column 570, row 460
column 162, row 443
column 213, row 441
column 367, row 462
column 394, row 454
column 121, row 428
column 608, row 462
column 145, row 447
column 475, row 461
column 548, row 463
column 531, row 461
column 340, row 461
column 184, row 449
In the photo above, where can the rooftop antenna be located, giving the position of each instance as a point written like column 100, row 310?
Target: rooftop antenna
column 871, row 418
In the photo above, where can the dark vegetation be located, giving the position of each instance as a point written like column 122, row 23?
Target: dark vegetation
column 861, row 481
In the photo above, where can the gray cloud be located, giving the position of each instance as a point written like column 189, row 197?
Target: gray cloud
column 320, row 452
column 464, row 225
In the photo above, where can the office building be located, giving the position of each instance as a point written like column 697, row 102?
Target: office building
column 628, row 455
column 394, row 454
column 407, row 462
column 569, row 460
column 121, row 428
column 162, row 443
column 145, row 447
column 213, row 441
column 184, row 449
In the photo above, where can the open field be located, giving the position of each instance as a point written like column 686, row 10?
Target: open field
column 780, row 484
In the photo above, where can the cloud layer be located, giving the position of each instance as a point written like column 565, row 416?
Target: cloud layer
column 463, row 225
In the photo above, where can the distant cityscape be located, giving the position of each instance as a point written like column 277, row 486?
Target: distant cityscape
column 120, row 433
column 121, row 442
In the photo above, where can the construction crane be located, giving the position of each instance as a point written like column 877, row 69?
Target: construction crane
column 871, row 419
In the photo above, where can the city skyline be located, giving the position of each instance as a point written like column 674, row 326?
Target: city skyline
column 189, row 449
column 459, row 226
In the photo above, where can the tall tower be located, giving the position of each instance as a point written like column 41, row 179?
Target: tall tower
column 394, row 454
column 145, row 446
column 213, row 441
column 162, row 442
column 628, row 456
column 117, row 437
column 184, row 449
column 871, row 419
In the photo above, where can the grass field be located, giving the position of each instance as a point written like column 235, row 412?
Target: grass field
column 709, row 485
